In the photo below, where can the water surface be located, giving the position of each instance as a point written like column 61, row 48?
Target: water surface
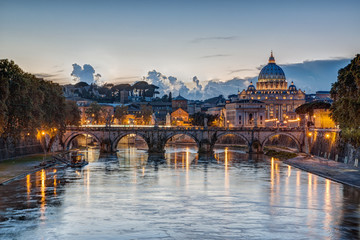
column 131, row 196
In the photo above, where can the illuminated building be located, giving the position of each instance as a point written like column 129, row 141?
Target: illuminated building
column 245, row 113
column 272, row 89
column 180, row 117
column 179, row 102
column 322, row 119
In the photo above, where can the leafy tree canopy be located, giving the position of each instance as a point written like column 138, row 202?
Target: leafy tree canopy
column 345, row 109
column 28, row 104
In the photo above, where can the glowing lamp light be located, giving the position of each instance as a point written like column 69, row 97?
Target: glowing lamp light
column 327, row 135
column 42, row 133
column 309, row 134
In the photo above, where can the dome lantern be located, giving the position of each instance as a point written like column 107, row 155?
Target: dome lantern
column 271, row 77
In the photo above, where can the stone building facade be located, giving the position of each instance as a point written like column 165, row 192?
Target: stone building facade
column 245, row 113
column 279, row 99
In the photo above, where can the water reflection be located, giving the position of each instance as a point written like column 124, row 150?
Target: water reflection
column 131, row 195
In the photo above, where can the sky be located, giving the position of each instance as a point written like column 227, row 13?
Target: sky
column 216, row 41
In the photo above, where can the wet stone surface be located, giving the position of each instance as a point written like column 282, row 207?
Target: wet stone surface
column 124, row 196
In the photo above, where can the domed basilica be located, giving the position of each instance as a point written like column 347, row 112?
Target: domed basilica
column 272, row 89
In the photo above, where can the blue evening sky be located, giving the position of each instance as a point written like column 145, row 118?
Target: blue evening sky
column 213, row 40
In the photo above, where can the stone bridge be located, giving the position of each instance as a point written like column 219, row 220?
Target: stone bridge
column 205, row 138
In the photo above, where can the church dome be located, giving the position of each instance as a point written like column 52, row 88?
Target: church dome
column 251, row 87
column 292, row 87
column 271, row 72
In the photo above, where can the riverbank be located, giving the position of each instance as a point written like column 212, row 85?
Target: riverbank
column 335, row 171
column 19, row 167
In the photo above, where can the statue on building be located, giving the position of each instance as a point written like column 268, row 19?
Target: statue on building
column 153, row 119
column 205, row 122
column 168, row 119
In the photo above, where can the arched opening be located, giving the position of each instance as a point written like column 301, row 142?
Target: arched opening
column 181, row 150
column 232, row 142
column 131, row 150
column 82, row 141
column 229, row 148
column 132, row 140
column 281, row 142
column 85, row 144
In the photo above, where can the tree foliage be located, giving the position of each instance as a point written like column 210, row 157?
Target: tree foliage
column 145, row 114
column 28, row 104
column 198, row 119
column 120, row 112
column 345, row 109
column 72, row 114
column 94, row 112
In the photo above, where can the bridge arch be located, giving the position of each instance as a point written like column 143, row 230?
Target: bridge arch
column 73, row 135
column 297, row 142
column 122, row 135
column 173, row 134
column 232, row 133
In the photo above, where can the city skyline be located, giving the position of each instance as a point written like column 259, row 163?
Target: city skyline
column 215, row 41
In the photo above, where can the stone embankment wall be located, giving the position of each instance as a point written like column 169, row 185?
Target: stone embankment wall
column 26, row 146
column 327, row 143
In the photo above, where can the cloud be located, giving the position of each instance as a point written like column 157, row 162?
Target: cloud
column 215, row 88
column 45, row 75
column 211, row 89
column 314, row 75
column 167, row 84
column 127, row 78
column 198, row 40
column 197, row 82
column 240, row 70
column 85, row 74
column 216, row 56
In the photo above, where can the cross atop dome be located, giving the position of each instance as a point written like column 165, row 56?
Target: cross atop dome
column 271, row 58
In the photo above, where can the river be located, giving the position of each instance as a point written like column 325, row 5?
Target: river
column 128, row 196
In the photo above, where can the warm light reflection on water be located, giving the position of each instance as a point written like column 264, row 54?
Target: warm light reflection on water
column 28, row 186
column 125, row 195
column 43, row 196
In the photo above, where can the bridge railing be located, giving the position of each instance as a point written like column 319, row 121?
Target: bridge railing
column 178, row 128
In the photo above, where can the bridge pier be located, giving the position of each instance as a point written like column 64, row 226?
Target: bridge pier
column 106, row 146
column 255, row 147
column 205, row 147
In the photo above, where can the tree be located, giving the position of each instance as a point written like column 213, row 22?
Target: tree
column 145, row 114
column 345, row 109
column 94, row 112
column 4, row 94
column 28, row 104
column 120, row 112
column 197, row 119
column 72, row 114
